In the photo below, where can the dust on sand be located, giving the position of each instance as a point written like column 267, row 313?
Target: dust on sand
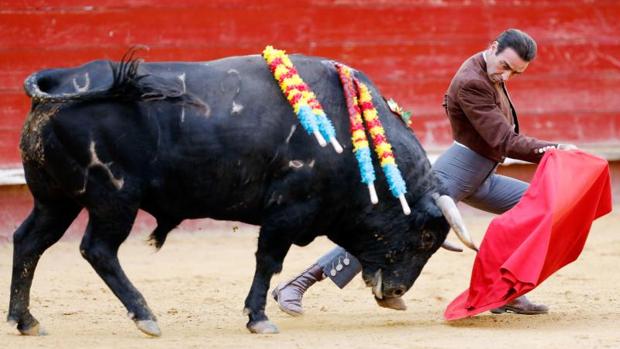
column 197, row 283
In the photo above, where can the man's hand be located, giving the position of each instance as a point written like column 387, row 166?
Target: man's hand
column 567, row 147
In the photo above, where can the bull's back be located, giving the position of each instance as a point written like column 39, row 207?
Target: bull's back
column 231, row 158
column 234, row 151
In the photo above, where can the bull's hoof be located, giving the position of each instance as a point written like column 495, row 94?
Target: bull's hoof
column 392, row 303
column 149, row 327
column 263, row 327
column 35, row 330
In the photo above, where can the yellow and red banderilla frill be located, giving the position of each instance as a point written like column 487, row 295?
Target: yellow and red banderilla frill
column 359, row 102
column 301, row 98
column 383, row 148
column 361, row 147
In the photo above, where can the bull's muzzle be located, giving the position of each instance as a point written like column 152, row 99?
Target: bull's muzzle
column 382, row 290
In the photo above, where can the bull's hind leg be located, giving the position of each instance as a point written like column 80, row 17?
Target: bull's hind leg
column 43, row 227
column 273, row 244
column 107, row 229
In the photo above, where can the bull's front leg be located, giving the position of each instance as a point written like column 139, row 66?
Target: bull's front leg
column 273, row 244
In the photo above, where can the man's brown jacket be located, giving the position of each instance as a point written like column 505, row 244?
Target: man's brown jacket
column 483, row 117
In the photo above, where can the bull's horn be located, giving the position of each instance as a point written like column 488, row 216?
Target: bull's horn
column 377, row 284
column 453, row 216
column 451, row 246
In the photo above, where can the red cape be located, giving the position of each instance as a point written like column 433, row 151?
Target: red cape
column 546, row 230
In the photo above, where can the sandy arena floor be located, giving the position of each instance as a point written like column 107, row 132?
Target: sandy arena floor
column 197, row 283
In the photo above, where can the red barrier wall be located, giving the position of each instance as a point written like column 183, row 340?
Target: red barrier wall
column 409, row 48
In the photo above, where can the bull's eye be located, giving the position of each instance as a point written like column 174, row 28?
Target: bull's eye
column 426, row 240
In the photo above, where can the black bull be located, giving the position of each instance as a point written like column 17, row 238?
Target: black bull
column 215, row 139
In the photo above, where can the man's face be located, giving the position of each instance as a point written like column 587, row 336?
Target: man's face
column 503, row 66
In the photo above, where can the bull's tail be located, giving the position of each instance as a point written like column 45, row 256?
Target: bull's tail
column 94, row 80
column 36, row 87
column 104, row 79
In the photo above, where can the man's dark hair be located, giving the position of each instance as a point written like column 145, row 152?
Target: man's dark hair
column 519, row 41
